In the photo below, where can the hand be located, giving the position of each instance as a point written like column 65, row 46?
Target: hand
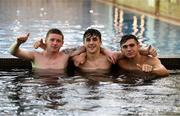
column 145, row 67
column 79, row 59
column 112, row 57
column 38, row 44
column 152, row 51
column 22, row 39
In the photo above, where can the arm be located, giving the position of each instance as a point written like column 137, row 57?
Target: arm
column 79, row 59
column 16, row 51
column 159, row 69
column 155, row 68
column 112, row 56
column 148, row 51
column 70, row 51
column 74, row 51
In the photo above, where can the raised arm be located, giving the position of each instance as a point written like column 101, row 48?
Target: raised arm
column 148, row 51
column 18, row 52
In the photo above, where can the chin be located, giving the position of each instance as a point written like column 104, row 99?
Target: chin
column 130, row 56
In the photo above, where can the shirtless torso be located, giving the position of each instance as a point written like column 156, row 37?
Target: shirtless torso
column 101, row 63
column 42, row 61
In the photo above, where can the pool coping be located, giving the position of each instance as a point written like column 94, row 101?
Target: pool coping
column 11, row 62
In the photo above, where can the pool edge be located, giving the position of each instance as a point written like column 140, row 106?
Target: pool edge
column 10, row 62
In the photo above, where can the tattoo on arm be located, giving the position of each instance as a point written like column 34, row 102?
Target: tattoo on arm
column 70, row 50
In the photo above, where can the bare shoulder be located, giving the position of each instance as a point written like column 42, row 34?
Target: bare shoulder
column 122, row 61
column 152, row 60
column 63, row 54
column 37, row 53
column 103, row 57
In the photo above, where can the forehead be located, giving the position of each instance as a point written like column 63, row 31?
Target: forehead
column 91, row 37
column 55, row 36
column 130, row 41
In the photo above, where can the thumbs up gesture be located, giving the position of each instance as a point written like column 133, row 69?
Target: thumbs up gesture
column 23, row 38
column 40, row 44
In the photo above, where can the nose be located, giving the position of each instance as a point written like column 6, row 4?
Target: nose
column 128, row 48
column 91, row 41
column 54, row 42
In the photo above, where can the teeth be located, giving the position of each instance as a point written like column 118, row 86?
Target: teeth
column 91, row 46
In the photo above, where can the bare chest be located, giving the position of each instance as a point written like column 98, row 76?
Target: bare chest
column 59, row 62
column 99, row 64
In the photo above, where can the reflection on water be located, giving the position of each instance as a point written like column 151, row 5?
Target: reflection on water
column 26, row 93
column 19, row 17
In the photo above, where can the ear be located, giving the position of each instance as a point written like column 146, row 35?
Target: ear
column 121, row 50
column 45, row 40
column 138, row 44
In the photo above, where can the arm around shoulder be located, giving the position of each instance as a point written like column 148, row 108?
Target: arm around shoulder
column 74, row 51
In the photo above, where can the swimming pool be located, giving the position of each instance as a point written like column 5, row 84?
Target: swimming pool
column 18, row 17
column 24, row 93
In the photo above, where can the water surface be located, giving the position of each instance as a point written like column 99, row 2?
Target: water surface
column 74, row 17
column 25, row 93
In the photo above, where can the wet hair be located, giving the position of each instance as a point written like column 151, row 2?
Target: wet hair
column 92, row 32
column 55, row 31
column 125, row 38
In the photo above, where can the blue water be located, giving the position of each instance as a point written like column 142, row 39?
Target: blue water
column 23, row 93
column 74, row 17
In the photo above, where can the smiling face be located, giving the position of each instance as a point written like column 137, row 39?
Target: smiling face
column 54, row 42
column 92, row 44
column 92, row 41
column 130, row 48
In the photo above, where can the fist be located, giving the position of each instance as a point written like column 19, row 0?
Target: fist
column 145, row 67
column 23, row 38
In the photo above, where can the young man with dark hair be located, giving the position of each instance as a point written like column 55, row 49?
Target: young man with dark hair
column 133, row 60
column 95, row 60
column 96, row 57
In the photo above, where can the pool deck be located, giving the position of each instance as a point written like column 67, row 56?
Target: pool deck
column 11, row 62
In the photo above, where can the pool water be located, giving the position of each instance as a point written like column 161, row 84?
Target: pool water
column 74, row 17
column 25, row 93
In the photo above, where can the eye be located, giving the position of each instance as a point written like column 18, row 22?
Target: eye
column 124, row 47
column 88, row 39
column 95, row 39
column 51, row 39
column 58, row 40
column 132, row 45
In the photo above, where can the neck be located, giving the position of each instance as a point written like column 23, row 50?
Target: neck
column 93, row 56
column 137, row 59
column 50, row 54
